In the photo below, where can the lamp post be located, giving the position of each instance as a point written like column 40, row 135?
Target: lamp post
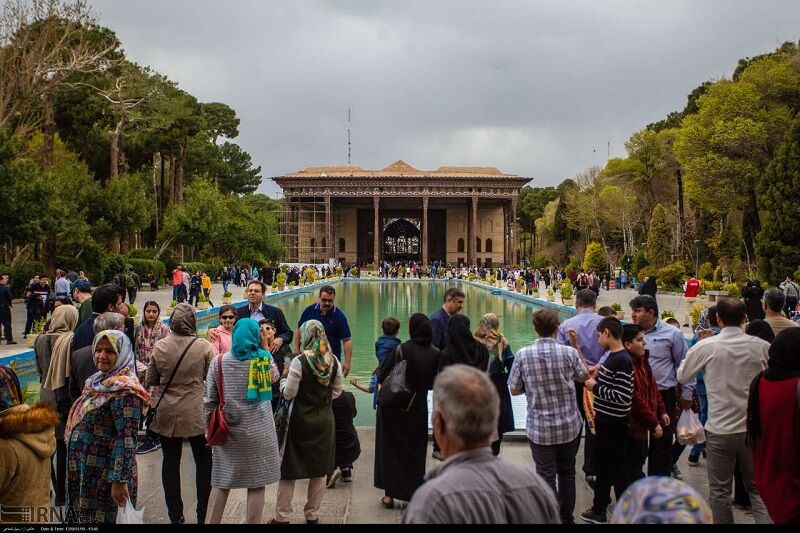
column 696, row 258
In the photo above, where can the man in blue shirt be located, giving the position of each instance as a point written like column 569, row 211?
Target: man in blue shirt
column 667, row 348
column 585, row 324
column 336, row 328
column 453, row 302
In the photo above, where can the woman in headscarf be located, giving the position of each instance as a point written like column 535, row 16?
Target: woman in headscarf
column 52, row 362
column 649, row 287
column 753, row 294
column 761, row 329
column 773, row 428
column 463, row 348
column 27, row 443
column 150, row 331
column 315, row 378
column 661, row 500
column 180, row 413
column 249, row 458
column 101, row 433
column 221, row 343
column 401, row 433
column 501, row 358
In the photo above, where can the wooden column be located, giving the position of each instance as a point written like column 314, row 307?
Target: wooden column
column 505, row 233
column 329, row 229
column 376, row 254
column 473, row 258
column 513, row 232
column 425, row 230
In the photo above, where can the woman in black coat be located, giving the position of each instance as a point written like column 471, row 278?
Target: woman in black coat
column 463, row 348
column 649, row 287
column 401, row 432
column 753, row 295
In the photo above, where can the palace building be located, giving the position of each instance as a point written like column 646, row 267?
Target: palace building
column 459, row 215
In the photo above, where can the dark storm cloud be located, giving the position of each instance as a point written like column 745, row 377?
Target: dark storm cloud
column 534, row 88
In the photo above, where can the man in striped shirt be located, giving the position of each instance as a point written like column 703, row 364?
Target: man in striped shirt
column 613, row 390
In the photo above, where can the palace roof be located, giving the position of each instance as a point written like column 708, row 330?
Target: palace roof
column 397, row 170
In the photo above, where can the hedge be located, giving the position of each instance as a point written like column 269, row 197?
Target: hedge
column 143, row 267
column 19, row 276
column 213, row 271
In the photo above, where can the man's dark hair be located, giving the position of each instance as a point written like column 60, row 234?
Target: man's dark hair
column 731, row 312
column 452, row 293
column 646, row 302
column 606, row 310
column 613, row 325
column 775, row 300
column 630, row 331
column 259, row 283
column 106, row 295
column 585, row 298
column 328, row 289
column 390, row 326
column 545, row 322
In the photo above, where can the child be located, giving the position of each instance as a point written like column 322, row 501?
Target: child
column 612, row 390
column 372, row 389
column 388, row 342
column 348, row 447
column 647, row 408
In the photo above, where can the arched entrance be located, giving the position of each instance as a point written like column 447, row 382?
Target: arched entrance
column 401, row 240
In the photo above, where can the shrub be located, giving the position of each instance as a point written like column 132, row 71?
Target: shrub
column 595, row 258
column 20, row 275
column 281, row 278
column 354, row 272
column 132, row 311
column 695, row 313
column 706, row 272
column 616, row 307
column 370, row 266
column 202, row 297
column 112, row 267
column 717, row 274
column 210, row 269
column 471, row 276
column 646, row 272
column 667, row 313
column 733, row 290
column 541, row 260
column 566, row 289
column 142, row 267
column 706, row 286
column 228, row 294
column 339, row 271
column 491, row 279
column 672, row 275
column 173, row 303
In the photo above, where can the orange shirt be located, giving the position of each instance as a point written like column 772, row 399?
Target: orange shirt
column 177, row 277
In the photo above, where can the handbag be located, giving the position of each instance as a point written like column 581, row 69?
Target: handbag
column 282, row 416
column 217, row 430
column 395, row 391
column 151, row 413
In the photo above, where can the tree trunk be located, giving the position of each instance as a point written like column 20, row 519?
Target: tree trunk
column 116, row 142
column 50, row 254
column 49, row 130
column 171, row 194
column 179, row 170
column 156, row 161
column 751, row 224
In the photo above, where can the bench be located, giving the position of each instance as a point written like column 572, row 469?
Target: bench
column 713, row 296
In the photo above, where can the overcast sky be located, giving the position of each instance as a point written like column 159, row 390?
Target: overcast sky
column 531, row 87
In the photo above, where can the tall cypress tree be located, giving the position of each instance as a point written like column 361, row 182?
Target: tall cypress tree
column 659, row 238
column 778, row 242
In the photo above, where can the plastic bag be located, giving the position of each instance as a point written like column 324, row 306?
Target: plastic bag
column 690, row 430
column 129, row 514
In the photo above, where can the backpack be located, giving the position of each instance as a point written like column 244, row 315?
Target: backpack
column 130, row 282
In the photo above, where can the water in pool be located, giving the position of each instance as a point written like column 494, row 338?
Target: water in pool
column 366, row 304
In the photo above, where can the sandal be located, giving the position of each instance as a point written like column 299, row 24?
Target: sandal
column 388, row 502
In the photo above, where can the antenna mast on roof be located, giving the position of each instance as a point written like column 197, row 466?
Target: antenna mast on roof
column 349, row 146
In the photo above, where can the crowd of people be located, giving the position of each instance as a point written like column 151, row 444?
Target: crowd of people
column 109, row 391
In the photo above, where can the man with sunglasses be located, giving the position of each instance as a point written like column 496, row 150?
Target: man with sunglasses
column 258, row 310
column 336, row 328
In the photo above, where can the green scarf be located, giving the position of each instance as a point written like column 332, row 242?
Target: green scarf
column 246, row 346
column 316, row 350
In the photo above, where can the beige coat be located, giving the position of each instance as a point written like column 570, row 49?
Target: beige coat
column 27, row 442
column 181, row 411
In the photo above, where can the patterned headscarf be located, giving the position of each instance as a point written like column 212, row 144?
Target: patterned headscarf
column 661, row 500
column 314, row 345
column 101, row 387
column 246, row 346
column 148, row 336
column 10, row 391
column 488, row 334
column 64, row 320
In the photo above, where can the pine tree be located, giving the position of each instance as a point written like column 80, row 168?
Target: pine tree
column 595, row 259
column 778, row 242
column 659, row 237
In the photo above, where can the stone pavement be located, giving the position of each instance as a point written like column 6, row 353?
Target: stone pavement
column 357, row 502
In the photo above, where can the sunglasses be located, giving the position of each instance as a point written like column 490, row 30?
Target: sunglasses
column 227, row 317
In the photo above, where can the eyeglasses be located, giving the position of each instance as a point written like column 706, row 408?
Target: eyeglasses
column 270, row 327
column 227, row 317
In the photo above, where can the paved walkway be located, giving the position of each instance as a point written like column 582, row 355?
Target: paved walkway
column 353, row 503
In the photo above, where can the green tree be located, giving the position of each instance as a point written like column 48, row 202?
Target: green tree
column 220, row 120
column 237, row 176
column 594, row 258
column 779, row 194
column 123, row 208
column 659, row 238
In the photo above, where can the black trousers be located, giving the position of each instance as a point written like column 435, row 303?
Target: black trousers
column 59, row 475
column 32, row 316
column 496, row 445
column 791, row 305
column 589, row 444
column 5, row 321
column 635, row 456
column 660, row 454
column 132, row 295
column 609, row 462
column 171, row 475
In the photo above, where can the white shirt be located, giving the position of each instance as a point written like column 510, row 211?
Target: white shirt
column 729, row 361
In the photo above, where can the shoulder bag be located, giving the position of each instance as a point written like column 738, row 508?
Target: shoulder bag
column 151, row 413
column 217, row 430
column 395, row 391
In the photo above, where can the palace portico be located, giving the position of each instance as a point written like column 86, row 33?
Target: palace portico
column 452, row 214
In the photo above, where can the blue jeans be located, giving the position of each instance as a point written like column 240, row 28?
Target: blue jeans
column 175, row 292
column 225, row 285
column 697, row 448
